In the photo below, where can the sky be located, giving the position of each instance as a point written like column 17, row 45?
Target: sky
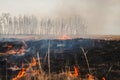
column 101, row 16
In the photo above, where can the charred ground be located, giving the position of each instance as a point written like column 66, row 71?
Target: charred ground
column 103, row 56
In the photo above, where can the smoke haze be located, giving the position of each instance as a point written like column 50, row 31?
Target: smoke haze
column 100, row 16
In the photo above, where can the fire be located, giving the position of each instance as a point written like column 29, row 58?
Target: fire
column 76, row 71
column 69, row 73
column 16, row 51
column 24, row 71
column 64, row 37
column 75, row 74
column 90, row 77
column 20, row 74
column 34, row 62
column 103, row 78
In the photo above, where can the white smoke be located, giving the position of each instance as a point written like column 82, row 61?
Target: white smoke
column 101, row 16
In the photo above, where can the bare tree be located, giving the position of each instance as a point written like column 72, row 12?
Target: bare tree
column 24, row 24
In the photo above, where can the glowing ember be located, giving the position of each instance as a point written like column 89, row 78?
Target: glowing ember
column 76, row 71
column 64, row 37
column 16, row 51
column 103, row 78
column 34, row 62
column 75, row 74
column 90, row 77
column 69, row 73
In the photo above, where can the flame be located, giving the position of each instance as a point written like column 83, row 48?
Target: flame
column 69, row 73
column 16, row 51
column 23, row 71
column 20, row 74
column 103, row 78
column 34, row 62
column 64, row 37
column 76, row 71
column 90, row 77
column 75, row 74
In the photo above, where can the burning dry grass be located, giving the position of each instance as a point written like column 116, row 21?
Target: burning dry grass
column 34, row 71
column 36, row 75
column 64, row 37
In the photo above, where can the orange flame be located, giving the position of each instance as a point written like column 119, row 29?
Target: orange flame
column 23, row 71
column 64, row 37
column 90, row 77
column 20, row 74
column 34, row 62
column 76, row 71
column 75, row 74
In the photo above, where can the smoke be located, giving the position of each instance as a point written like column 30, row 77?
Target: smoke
column 100, row 16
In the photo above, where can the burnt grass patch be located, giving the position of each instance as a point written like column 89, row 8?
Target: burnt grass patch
column 103, row 56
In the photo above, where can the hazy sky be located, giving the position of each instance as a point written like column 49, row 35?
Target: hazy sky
column 101, row 16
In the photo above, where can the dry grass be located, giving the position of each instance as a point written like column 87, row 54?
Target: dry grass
column 37, row 73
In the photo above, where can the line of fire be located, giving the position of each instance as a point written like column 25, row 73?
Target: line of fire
column 78, row 58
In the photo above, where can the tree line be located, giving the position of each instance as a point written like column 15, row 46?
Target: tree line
column 30, row 24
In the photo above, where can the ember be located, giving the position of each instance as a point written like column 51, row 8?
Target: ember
column 64, row 37
column 69, row 73
column 34, row 62
column 16, row 51
column 103, row 78
column 76, row 71
column 75, row 74
column 90, row 77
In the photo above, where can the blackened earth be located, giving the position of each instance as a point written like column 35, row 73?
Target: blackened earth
column 103, row 56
